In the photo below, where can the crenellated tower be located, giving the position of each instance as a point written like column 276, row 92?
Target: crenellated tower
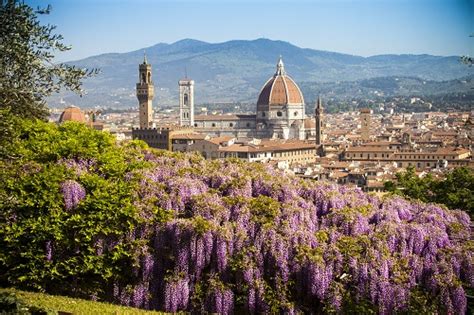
column 145, row 93
column 186, row 102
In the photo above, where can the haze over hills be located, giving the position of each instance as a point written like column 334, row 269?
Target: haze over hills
column 234, row 71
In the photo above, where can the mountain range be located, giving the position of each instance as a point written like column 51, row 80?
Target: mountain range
column 235, row 71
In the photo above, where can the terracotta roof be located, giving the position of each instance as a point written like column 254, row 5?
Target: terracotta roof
column 336, row 164
column 380, row 143
column 337, row 174
column 192, row 136
column 280, row 90
column 309, row 123
column 72, row 113
column 373, row 183
column 219, row 140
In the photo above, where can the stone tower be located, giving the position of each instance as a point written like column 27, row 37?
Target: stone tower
column 145, row 93
column 318, row 114
column 186, row 102
column 365, row 120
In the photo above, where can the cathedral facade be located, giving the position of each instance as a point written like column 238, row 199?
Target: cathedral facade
column 280, row 113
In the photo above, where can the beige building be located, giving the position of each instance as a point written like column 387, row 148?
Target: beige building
column 256, row 150
column 420, row 159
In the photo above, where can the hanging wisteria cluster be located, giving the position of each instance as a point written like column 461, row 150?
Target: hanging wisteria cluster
column 245, row 238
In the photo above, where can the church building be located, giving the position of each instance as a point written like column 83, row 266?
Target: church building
column 280, row 113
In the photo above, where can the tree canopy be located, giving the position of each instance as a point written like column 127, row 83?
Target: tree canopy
column 28, row 72
column 456, row 190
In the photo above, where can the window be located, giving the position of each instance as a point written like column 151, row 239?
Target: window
column 263, row 114
column 295, row 113
column 279, row 114
column 195, row 124
column 248, row 125
column 231, row 125
column 185, row 99
column 213, row 125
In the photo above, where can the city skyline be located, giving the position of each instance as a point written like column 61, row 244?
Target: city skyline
column 364, row 27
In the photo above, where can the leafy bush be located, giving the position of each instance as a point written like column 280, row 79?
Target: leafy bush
column 83, row 216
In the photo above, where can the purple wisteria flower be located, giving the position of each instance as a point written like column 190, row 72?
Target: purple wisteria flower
column 73, row 193
column 314, row 246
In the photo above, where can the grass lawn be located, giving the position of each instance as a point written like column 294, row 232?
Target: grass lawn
column 39, row 303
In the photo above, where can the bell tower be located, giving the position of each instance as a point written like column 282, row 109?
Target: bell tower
column 186, row 102
column 145, row 93
column 318, row 113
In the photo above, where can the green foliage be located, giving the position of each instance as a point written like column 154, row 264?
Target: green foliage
column 22, row 302
column 27, row 68
column 264, row 209
column 420, row 303
column 201, row 225
column 33, row 214
column 8, row 130
column 353, row 246
column 456, row 190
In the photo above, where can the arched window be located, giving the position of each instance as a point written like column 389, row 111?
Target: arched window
column 143, row 77
column 231, row 125
column 149, row 77
column 295, row 113
column 185, row 99
column 279, row 114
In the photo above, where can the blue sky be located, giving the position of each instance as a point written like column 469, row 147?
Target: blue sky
column 359, row 27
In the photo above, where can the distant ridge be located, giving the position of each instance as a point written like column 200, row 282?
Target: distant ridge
column 236, row 70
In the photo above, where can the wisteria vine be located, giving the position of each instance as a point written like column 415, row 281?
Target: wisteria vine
column 245, row 238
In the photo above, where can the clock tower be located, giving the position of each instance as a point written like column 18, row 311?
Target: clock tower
column 145, row 93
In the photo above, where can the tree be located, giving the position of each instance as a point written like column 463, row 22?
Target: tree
column 456, row 190
column 467, row 59
column 28, row 72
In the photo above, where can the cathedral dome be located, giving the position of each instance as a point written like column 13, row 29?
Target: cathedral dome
column 72, row 113
column 280, row 89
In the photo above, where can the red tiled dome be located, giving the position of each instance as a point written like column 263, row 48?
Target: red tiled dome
column 280, row 89
column 72, row 113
